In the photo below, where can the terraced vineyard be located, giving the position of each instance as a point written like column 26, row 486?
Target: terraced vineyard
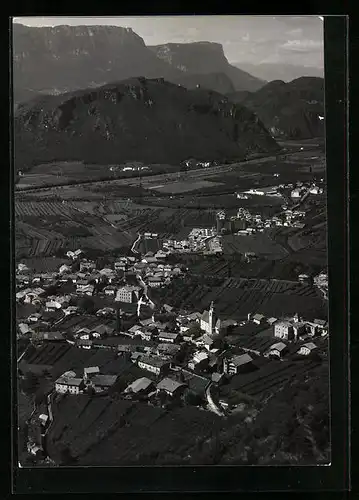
column 238, row 297
column 270, row 378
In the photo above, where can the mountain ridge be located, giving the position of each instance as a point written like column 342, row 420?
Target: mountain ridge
column 64, row 58
column 148, row 120
column 288, row 110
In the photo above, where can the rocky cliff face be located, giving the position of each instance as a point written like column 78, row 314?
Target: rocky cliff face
column 205, row 57
column 64, row 58
column 138, row 119
column 293, row 110
column 59, row 59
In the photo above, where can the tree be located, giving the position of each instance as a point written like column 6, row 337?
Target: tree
column 30, row 383
column 87, row 304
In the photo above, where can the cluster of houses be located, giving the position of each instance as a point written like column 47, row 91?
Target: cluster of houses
column 256, row 222
column 198, row 240
column 151, row 269
column 245, row 223
column 298, row 190
column 302, row 188
column 210, row 357
column 164, row 345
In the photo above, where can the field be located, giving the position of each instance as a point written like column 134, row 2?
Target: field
column 269, row 378
column 124, row 432
column 184, row 187
column 235, row 298
column 261, row 244
column 111, row 431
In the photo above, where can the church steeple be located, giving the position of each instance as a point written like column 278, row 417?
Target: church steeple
column 211, row 318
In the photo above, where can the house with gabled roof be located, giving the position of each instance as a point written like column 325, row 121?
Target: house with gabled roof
column 171, row 387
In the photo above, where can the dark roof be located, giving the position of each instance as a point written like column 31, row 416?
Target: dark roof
column 104, row 380
column 216, row 377
column 69, row 381
column 166, row 335
column 141, row 384
column 242, row 359
column 205, row 316
column 153, row 361
column 170, row 385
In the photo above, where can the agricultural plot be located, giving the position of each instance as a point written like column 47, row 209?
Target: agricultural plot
column 121, row 431
column 261, row 244
column 269, row 378
column 235, row 298
column 45, row 264
column 48, row 354
column 184, row 186
column 42, row 209
column 226, row 267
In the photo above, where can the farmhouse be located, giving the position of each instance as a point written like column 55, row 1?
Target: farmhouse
column 284, row 330
column 307, row 349
column 237, row 364
column 167, row 349
column 141, row 385
column 50, row 336
column 69, row 385
column 171, row 387
column 153, row 364
column 91, row 371
column 103, row 382
column 277, row 349
column 258, row 319
column 168, row 337
column 199, row 360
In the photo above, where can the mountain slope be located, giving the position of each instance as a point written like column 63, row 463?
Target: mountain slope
column 64, row 58
column 59, row 59
column 137, row 119
column 203, row 58
column 289, row 110
column 219, row 82
column 279, row 71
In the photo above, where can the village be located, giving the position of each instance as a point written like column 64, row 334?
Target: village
column 178, row 356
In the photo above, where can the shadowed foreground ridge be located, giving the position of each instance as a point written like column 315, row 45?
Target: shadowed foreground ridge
column 137, row 119
column 288, row 110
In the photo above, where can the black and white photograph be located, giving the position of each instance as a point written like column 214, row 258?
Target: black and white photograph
column 170, row 220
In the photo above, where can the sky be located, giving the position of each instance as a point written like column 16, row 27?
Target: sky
column 254, row 39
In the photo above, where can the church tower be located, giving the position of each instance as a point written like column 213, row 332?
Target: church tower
column 211, row 319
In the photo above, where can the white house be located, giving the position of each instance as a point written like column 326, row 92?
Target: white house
column 52, row 305
column 69, row 385
column 153, row 364
column 306, row 349
column 277, row 349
